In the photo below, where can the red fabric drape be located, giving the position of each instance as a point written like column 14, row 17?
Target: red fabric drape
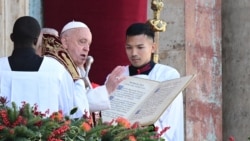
column 107, row 19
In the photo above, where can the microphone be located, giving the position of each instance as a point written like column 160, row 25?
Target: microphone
column 88, row 64
column 96, row 115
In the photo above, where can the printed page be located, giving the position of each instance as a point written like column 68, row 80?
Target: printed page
column 151, row 109
column 129, row 94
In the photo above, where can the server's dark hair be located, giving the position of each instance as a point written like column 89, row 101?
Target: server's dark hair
column 140, row 28
column 26, row 29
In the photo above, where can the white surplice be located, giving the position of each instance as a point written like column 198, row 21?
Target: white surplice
column 51, row 87
column 173, row 116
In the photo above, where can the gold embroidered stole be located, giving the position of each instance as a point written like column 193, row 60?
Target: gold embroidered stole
column 52, row 46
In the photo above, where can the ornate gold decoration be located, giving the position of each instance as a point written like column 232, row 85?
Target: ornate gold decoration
column 157, row 24
column 52, row 46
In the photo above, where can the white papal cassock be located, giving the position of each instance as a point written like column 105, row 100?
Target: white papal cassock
column 173, row 116
column 51, row 87
column 98, row 97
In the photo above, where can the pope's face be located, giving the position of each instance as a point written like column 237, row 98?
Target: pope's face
column 77, row 41
column 139, row 49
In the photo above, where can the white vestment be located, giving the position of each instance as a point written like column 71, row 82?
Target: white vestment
column 98, row 97
column 173, row 116
column 51, row 87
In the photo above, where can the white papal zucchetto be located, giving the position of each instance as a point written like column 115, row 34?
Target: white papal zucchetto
column 73, row 24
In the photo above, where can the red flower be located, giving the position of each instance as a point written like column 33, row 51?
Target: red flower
column 39, row 123
column 131, row 138
column 2, row 127
column 123, row 122
column 135, row 125
column 67, row 122
column 162, row 132
column 89, row 121
column 57, row 116
column 86, row 127
column 58, row 132
column 4, row 116
column 156, row 128
column 20, row 120
column 104, row 132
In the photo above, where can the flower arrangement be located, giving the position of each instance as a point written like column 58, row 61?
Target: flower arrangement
column 28, row 124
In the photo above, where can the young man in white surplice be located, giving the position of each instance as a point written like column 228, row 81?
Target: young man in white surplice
column 139, row 47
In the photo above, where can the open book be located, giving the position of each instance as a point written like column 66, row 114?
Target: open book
column 144, row 100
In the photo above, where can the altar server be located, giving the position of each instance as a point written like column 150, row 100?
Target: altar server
column 139, row 47
column 26, row 76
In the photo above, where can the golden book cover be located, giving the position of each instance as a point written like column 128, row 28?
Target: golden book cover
column 143, row 100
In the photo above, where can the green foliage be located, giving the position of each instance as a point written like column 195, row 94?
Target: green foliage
column 28, row 124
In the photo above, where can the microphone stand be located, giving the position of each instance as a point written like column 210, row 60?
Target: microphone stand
column 96, row 116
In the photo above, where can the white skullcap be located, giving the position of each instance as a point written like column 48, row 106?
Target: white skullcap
column 51, row 31
column 73, row 24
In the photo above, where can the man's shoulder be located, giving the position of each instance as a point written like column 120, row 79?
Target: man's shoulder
column 3, row 59
column 63, row 65
column 166, row 68
column 4, row 64
column 164, row 72
column 51, row 64
column 51, row 61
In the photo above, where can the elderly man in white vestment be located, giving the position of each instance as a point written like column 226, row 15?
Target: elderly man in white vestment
column 139, row 48
column 76, row 38
column 26, row 76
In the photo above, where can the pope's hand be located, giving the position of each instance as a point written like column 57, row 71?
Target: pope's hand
column 114, row 78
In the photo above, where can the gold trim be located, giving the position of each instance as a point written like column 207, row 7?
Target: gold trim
column 52, row 46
